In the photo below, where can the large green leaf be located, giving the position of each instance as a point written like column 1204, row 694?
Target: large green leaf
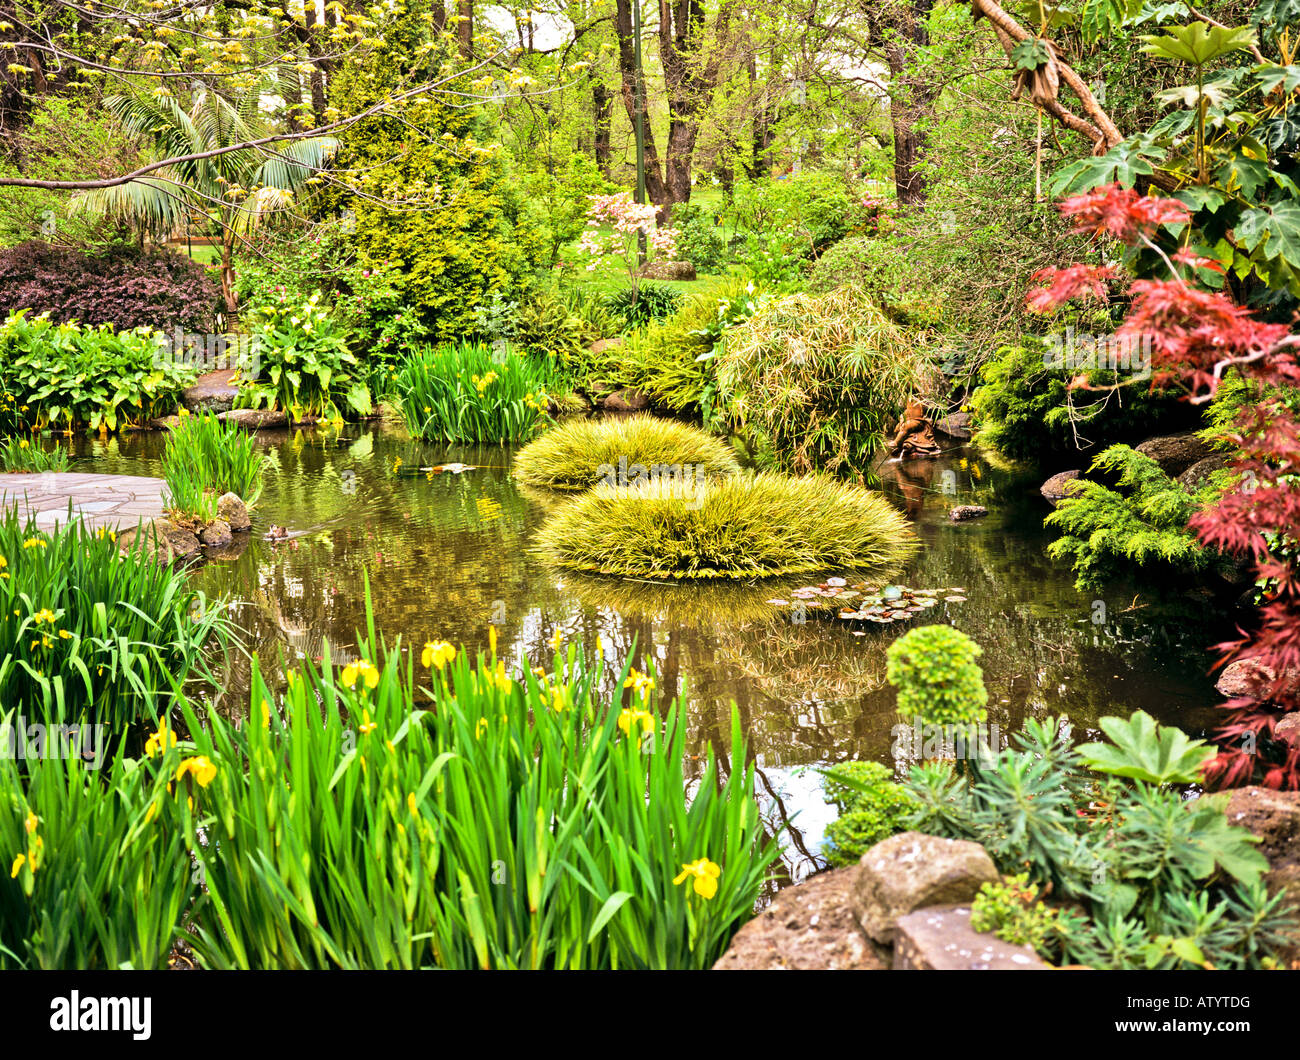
column 1142, row 750
column 1198, row 42
column 1274, row 229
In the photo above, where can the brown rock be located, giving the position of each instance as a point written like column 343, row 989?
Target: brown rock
column 941, row 938
column 212, row 393
column 1057, row 488
column 955, row 425
column 255, row 419
column 1194, row 477
column 601, row 345
column 625, row 401
column 1274, row 816
column 180, row 543
column 1175, row 453
column 1248, row 678
column 911, row 871
column 668, row 270
column 216, row 534
column 1288, row 728
column 233, row 512
column 966, row 511
column 808, row 926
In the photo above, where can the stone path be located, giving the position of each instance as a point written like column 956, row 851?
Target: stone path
column 114, row 501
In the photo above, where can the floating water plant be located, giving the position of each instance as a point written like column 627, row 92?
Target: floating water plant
column 581, row 453
column 868, row 602
column 742, row 526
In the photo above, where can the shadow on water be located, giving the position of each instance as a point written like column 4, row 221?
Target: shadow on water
column 447, row 555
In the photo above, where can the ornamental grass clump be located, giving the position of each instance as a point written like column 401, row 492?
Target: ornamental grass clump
column 742, row 526
column 205, row 458
column 428, row 809
column 87, row 632
column 580, row 453
column 469, row 392
column 817, row 380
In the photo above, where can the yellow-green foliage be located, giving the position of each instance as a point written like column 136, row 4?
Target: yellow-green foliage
column 741, row 526
column 579, row 453
column 464, row 235
column 818, row 380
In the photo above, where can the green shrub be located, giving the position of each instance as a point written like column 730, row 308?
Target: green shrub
column 869, row 263
column 582, row 452
column 739, row 526
column 19, row 454
column 460, row 228
column 1011, row 910
column 700, row 238
column 305, row 365
column 471, row 393
column 1027, row 410
column 65, row 375
column 204, row 458
column 647, row 301
column 545, row 326
column 1142, row 523
column 464, row 817
column 86, row 631
column 818, row 381
column 673, row 360
column 872, row 807
column 1163, row 881
column 937, row 677
column 810, row 210
column 91, row 880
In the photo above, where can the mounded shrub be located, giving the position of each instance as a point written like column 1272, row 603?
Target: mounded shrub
column 121, row 286
column 938, row 679
column 740, row 526
column 817, row 381
column 579, row 454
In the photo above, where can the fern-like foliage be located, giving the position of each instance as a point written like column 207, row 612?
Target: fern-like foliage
column 1142, row 523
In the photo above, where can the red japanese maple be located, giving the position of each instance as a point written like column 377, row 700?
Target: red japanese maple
column 1195, row 336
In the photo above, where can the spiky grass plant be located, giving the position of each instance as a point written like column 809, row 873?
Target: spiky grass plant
column 454, row 814
column 91, row 880
column 580, row 453
column 743, row 526
column 469, row 392
column 89, row 632
column 204, row 458
column 818, row 380
column 19, row 454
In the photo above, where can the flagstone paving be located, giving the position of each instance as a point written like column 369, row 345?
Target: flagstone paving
column 113, row 501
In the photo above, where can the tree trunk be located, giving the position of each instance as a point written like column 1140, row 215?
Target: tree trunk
column 910, row 98
column 465, row 27
column 603, row 105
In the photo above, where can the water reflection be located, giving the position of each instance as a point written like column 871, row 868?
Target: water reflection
column 445, row 555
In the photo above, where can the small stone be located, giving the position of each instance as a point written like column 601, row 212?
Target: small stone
column 233, row 512
column 942, row 939
column 255, row 419
column 216, row 534
column 1175, row 453
column 668, row 270
column 967, row 511
column 909, row 871
column 625, row 401
column 1057, row 488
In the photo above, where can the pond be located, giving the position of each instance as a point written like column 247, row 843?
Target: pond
column 445, row 556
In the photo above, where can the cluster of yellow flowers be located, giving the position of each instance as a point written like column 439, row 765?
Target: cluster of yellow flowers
column 35, row 849
column 362, row 668
column 160, row 742
column 35, row 542
column 45, row 640
column 4, row 574
column 630, row 717
column 481, row 383
column 436, row 654
column 641, row 683
column 199, row 767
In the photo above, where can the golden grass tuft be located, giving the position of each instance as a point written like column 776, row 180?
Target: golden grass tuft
column 743, row 526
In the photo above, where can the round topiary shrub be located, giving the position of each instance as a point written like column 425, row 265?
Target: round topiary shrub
column 937, row 678
column 740, row 526
column 581, row 453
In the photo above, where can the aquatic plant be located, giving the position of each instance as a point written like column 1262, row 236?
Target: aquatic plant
column 19, row 454
column 582, row 452
column 817, row 381
column 740, row 526
column 204, row 458
column 90, row 879
column 937, row 678
column 451, row 812
column 468, row 392
column 89, row 632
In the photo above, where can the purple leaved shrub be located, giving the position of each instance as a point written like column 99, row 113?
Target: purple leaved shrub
column 122, row 286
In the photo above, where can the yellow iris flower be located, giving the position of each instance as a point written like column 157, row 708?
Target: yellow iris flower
column 703, row 874
column 437, row 653
column 200, row 768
